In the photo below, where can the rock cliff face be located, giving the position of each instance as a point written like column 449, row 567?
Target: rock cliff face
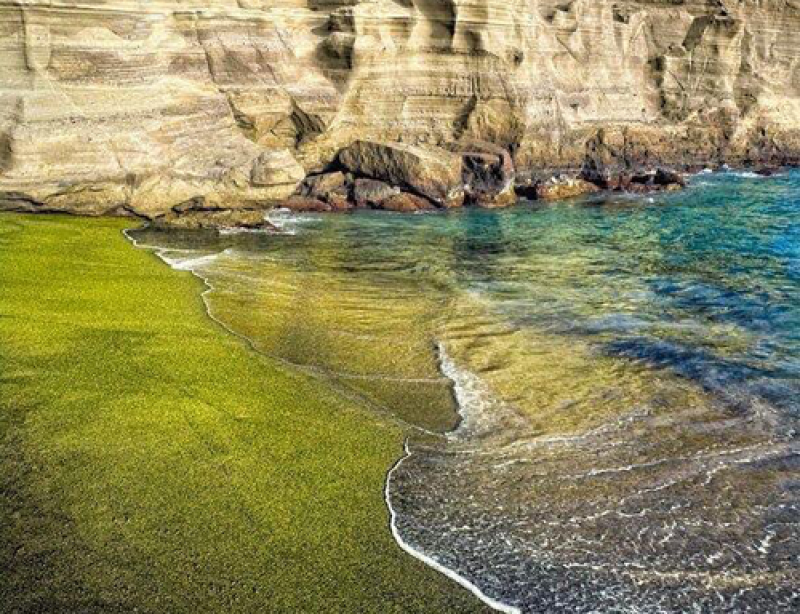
column 143, row 106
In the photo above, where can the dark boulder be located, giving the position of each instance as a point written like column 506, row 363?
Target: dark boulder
column 372, row 193
column 488, row 174
column 665, row 177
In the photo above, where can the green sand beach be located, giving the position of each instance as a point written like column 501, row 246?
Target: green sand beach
column 152, row 462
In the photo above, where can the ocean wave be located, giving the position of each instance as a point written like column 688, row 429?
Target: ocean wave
column 472, row 398
column 429, row 560
column 478, row 412
column 746, row 175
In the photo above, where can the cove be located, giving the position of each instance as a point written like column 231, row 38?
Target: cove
column 600, row 395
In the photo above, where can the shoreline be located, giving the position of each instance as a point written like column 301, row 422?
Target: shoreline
column 543, row 185
column 401, row 542
column 191, row 260
column 259, row 219
column 305, row 369
column 429, row 560
column 180, row 458
column 393, row 516
column 462, row 394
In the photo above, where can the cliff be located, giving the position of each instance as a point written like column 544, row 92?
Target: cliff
column 115, row 106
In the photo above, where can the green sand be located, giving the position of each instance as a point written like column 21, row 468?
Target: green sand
column 151, row 462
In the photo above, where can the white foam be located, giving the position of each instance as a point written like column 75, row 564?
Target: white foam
column 430, row 561
column 473, row 401
column 726, row 170
column 287, row 222
column 226, row 232
column 764, row 546
column 188, row 263
column 475, row 404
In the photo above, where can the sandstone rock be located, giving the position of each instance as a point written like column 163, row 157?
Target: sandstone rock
column 320, row 186
column 331, row 188
column 97, row 98
column 429, row 171
column 92, row 199
column 277, row 168
column 559, row 188
column 406, row 203
column 154, row 196
column 306, row 204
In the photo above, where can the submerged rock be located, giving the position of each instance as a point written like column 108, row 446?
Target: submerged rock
column 669, row 179
column 307, row 204
column 198, row 219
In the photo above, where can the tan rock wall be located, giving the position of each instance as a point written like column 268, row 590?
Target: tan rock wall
column 144, row 104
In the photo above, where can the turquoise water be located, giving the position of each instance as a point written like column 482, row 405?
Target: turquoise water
column 602, row 396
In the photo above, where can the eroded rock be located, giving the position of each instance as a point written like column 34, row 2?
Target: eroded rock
column 277, row 168
column 432, row 172
column 233, row 98
column 563, row 187
column 488, row 174
column 666, row 178
column 322, row 185
column 307, row 204
column 372, row 193
column 198, row 219
column 407, row 203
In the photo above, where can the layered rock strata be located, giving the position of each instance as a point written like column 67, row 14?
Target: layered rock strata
column 156, row 107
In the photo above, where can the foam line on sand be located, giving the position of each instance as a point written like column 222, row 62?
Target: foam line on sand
column 430, row 561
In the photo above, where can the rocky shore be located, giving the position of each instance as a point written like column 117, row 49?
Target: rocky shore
column 398, row 177
column 404, row 178
column 200, row 112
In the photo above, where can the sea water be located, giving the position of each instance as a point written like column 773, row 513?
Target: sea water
column 602, row 395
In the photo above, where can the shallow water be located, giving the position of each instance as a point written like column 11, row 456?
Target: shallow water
column 626, row 370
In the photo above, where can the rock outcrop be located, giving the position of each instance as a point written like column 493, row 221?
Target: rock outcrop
column 153, row 107
column 430, row 172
